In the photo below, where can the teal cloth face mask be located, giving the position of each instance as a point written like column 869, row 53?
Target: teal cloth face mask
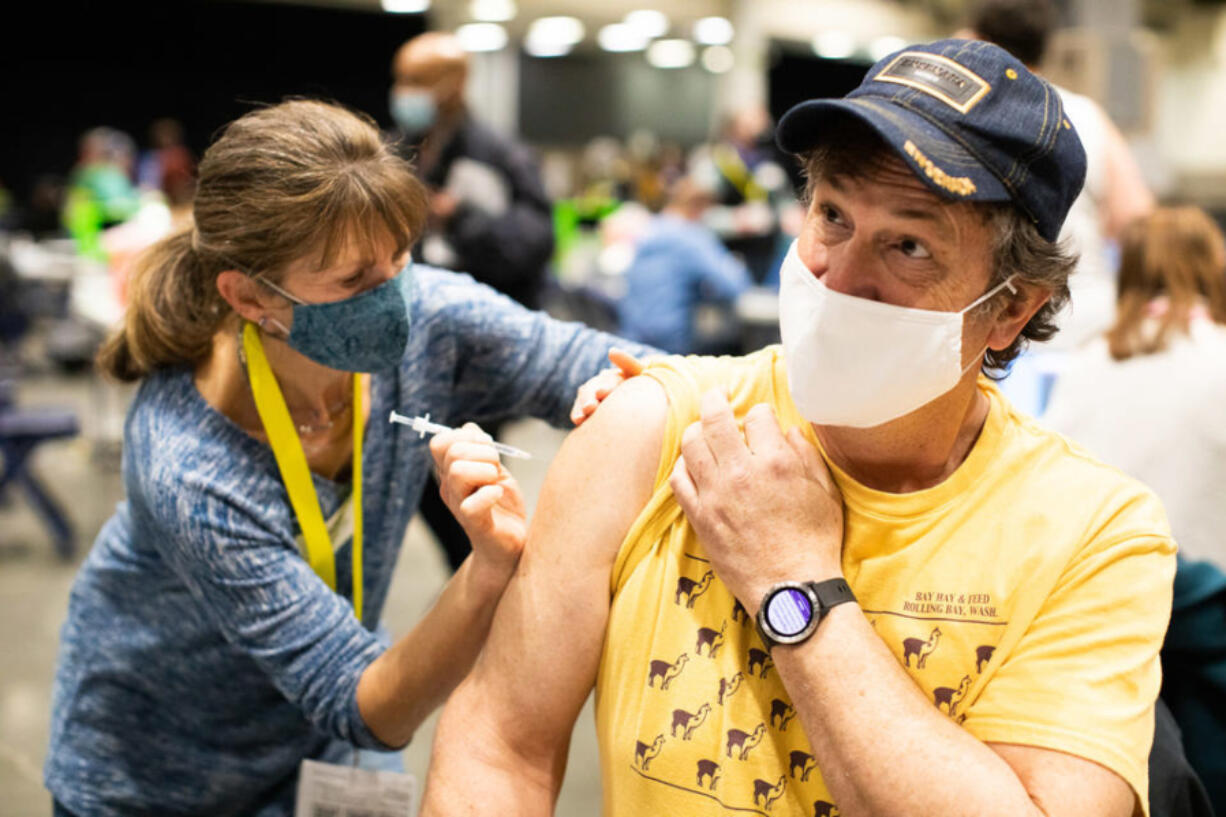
column 413, row 111
column 365, row 333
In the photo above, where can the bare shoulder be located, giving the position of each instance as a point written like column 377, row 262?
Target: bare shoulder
column 604, row 474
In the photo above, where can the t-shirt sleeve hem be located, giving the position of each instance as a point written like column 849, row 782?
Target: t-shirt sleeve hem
column 1044, row 736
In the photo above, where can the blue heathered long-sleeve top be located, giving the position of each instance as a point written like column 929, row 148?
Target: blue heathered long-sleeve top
column 202, row 659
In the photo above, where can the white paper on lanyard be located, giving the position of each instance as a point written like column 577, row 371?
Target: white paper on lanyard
column 326, row 790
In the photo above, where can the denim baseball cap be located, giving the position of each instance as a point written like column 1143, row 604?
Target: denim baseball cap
column 972, row 122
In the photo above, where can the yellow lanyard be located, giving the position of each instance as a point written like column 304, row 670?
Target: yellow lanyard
column 291, row 460
column 735, row 171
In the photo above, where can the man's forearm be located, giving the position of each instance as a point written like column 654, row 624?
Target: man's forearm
column 882, row 748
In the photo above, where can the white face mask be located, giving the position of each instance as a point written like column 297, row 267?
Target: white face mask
column 860, row 363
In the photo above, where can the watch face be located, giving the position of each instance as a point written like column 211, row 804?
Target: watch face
column 788, row 612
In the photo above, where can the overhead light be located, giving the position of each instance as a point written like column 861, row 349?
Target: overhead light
column 883, row 47
column 717, row 59
column 482, row 37
column 405, row 6
column 834, row 44
column 563, row 30
column 713, row 31
column 621, row 37
column 553, row 36
column 537, row 48
column 648, row 22
column 671, row 53
column 492, row 11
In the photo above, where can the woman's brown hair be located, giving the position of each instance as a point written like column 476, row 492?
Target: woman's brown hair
column 298, row 179
column 1177, row 253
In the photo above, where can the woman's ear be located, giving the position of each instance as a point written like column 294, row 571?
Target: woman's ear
column 245, row 296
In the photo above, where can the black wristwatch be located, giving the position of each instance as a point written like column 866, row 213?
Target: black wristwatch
column 791, row 611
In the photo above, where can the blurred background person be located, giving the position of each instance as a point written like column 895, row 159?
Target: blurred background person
column 101, row 192
column 168, row 166
column 1148, row 397
column 746, row 170
column 489, row 215
column 1115, row 192
column 679, row 264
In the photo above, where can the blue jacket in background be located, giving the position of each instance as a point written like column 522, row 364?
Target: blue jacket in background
column 677, row 265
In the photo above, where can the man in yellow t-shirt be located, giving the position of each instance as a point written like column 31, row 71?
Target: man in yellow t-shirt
column 844, row 576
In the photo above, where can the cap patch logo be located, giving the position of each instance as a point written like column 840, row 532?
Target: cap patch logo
column 939, row 77
column 958, row 185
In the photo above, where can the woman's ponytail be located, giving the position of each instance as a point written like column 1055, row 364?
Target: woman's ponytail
column 173, row 311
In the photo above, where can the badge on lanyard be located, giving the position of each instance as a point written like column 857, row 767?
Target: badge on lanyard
column 291, row 461
column 325, row 790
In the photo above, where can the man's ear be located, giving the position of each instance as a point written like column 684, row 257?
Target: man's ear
column 1014, row 317
column 245, row 296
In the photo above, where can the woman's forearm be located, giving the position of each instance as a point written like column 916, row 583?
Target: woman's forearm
column 417, row 673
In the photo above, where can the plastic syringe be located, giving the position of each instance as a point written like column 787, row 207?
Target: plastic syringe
column 423, row 426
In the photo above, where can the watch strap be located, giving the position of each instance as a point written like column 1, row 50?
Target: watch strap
column 831, row 593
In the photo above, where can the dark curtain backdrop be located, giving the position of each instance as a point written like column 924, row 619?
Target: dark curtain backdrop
column 796, row 74
column 71, row 66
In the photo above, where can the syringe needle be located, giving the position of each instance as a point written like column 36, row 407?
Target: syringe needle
column 423, row 426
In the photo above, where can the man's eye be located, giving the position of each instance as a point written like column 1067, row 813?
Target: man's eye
column 913, row 249
column 831, row 215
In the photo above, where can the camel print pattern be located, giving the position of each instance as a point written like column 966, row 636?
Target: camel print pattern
column 692, row 715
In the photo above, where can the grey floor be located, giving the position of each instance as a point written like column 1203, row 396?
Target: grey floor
column 83, row 474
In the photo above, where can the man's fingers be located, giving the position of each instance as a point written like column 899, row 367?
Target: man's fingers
column 626, row 362
column 719, row 428
column 696, row 454
column 683, row 486
column 813, row 462
column 762, row 432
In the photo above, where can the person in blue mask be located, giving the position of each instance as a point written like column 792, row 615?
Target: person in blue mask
column 225, row 628
column 489, row 213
